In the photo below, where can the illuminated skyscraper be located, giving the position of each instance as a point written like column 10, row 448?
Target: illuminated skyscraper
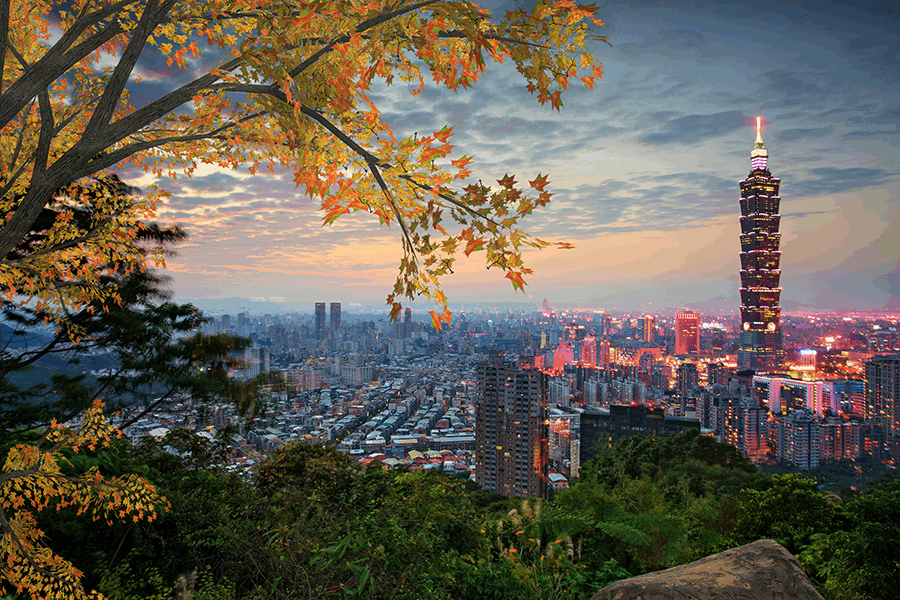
column 510, row 428
column 648, row 328
column 589, row 351
column 761, row 345
column 687, row 333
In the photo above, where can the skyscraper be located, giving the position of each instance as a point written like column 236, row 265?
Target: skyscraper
column 883, row 394
column 511, row 428
column 761, row 345
column 320, row 320
column 335, row 316
column 687, row 333
column 648, row 328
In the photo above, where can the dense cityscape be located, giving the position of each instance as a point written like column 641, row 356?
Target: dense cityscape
column 405, row 394
column 517, row 400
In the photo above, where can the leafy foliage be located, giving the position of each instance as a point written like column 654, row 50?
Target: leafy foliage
column 790, row 512
column 275, row 83
column 861, row 561
column 32, row 480
column 313, row 523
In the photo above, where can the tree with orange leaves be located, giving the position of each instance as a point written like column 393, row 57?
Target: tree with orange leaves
column 275, row 84
column 32, row 479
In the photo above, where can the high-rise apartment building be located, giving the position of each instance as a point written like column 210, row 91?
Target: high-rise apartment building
column 761, row 346
column 320, row 320
column 687, row 378
column 883, row 394
column 687, row 333
column 648, row 328
column 335, row 316
column 511, row 428
column 796, row 439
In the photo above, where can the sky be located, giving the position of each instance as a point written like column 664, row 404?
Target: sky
column 644, row 171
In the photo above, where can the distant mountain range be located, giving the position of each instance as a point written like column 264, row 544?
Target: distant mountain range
column 32, row 338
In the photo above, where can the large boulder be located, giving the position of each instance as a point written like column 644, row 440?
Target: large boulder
column 762, row 570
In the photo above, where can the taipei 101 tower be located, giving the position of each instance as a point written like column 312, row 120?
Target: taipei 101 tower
column 761, row 345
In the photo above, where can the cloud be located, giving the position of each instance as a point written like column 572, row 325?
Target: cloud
column 836, row 180
column 802, row 133
column 696, row 128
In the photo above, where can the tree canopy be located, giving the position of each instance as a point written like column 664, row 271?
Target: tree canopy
column 264, row 83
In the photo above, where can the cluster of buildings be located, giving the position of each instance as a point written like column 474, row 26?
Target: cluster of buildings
column 768, row 404
column 518, row 400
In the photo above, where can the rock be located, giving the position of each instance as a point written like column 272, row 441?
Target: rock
column 762, row 570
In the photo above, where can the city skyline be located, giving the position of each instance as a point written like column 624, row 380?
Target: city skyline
column 643, row 170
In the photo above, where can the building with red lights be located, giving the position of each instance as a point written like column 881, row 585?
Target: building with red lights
column 761, row 347
column 687, row 333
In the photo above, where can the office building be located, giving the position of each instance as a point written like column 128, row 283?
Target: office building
column 320, row 320
column 589, row 351
column 335, row 316
column 687, row 333
column 511, row 428
column 760, row 346
column 785, row 395
column 600, row 429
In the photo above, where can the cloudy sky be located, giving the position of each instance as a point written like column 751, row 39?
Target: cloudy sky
column 644, row 168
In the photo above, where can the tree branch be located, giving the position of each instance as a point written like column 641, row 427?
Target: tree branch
column 4, row 36
column 367, row 24
column 49, row 68
column 7, row 531
column 160, row 107
column 42, row 152
column 106, row 106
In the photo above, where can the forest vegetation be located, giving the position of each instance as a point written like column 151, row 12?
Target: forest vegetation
column 313, row 523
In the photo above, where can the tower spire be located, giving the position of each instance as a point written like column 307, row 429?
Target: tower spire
column 759, row 157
